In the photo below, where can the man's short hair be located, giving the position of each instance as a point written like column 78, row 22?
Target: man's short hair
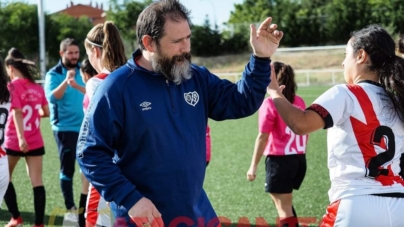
column 68, row 42
column 152, row 19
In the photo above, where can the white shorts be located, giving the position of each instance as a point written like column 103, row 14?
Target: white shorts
column 97, row 212
column 4, row 177
column 365, row 210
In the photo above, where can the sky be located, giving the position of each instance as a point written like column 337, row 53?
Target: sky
column 218, row 10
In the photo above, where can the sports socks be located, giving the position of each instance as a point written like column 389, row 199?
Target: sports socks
column 39, row 204
column 287, row 222
column 82, row 210
column 11, row 201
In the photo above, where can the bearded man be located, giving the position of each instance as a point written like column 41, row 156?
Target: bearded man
column 142, row 143
column 65, row 90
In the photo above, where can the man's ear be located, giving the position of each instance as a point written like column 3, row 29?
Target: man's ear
column 362, row 56
column 149, row 43
column 61, row 52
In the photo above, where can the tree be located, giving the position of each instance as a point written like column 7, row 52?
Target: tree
column 285, row 14
column 345, row 16
column 205, row 41
column 19, row 28
column 125, row 17
column 390, row 14
column 251, row 11
column 61, row 26
column 311, row 18
column 300, row 21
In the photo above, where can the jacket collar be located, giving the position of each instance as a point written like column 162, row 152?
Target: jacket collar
column 132, row 64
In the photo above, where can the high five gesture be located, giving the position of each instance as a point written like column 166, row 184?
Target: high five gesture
column 265, row 40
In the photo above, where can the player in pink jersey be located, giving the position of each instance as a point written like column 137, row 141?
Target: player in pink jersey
column 23, row 134
column 106, row 53
column 4, row 112
column 285, row 161
column 365, row 125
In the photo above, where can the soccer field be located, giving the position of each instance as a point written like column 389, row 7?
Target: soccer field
column 233, row 197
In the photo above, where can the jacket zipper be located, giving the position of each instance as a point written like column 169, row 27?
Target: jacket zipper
column 169, row 94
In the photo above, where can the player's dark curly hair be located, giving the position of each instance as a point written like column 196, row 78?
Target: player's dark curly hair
column 380, row 47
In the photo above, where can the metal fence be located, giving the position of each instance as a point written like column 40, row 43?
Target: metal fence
column 303, row 77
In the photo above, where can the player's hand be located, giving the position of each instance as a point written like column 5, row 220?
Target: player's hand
column 266, row 39
column 274, row 89
column 251, row 173
column 145, row 214
column 23, row 145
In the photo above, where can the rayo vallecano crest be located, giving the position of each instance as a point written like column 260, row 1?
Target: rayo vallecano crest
column 191, row 98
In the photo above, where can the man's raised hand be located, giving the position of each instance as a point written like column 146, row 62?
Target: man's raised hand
column 266, row 39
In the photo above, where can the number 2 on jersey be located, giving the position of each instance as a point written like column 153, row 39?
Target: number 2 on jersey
column 299, row 140
column 28, row 111
column 3, row 122
column 374, row 164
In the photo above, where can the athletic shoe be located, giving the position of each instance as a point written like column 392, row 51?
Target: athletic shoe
column 15, row 222
column 71, row 218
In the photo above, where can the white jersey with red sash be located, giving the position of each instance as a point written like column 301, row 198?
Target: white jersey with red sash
column 364, row 138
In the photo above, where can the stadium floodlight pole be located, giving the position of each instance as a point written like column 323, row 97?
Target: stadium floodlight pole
column 41, row 23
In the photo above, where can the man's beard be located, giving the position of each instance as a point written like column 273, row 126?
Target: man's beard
column 176, row 69
column 68, row 63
